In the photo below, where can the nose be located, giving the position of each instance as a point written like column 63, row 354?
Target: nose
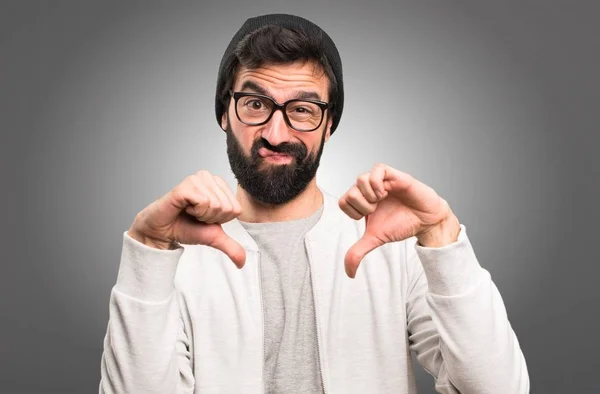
column 276, row 130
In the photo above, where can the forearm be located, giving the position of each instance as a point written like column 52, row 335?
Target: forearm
column 478, row 352
column 145, row 346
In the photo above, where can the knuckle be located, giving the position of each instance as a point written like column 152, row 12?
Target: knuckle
column 178, row 193
column 354, row 194
column 375, row 178
column 200, row 210
column 202, row 199
column 226, row 208
column 364, row 178
column 190, row 183
column 216, row 206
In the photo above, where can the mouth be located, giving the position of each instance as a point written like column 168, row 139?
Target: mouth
column 274, row 157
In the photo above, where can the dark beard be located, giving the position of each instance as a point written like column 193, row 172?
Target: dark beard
column 274, row 184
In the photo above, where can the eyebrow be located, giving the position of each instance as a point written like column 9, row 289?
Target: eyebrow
column 299, row 95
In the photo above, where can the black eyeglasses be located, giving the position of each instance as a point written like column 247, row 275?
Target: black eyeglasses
column 255, row 109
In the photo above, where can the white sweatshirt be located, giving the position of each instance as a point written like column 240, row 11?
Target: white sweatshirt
column 188, row 321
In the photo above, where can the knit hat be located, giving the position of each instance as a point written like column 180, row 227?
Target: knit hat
column 291, row 22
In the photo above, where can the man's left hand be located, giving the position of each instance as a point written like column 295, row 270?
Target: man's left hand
column 396, row 206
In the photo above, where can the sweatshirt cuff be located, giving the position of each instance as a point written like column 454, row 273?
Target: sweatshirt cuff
column 452, row 269
column 147, row 273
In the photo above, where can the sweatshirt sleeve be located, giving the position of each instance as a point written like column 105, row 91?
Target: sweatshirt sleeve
column 146, row 349
column 457, row 323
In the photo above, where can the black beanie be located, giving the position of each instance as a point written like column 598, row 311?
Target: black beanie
column 291, row 22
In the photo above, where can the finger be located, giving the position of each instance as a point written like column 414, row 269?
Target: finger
column 349, row 209
column 376, row 180
column 185, row 197
column 205, row 183
column 364, row 185
column 199, row 210
column 235, row 204
column 226, row 204
column 396, row 180
column 203, row 212
column 218, row 202
column 412, row 191
column 230, row 247
column 357, row 252
column 358, row 201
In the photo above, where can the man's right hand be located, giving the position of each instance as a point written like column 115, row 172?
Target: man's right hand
column 191, row 213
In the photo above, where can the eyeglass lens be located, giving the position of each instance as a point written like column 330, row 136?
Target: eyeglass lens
column 303, row 115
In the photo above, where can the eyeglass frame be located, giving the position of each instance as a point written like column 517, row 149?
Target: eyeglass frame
column 324, row 106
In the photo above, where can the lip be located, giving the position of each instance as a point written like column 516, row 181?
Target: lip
column 264, row 152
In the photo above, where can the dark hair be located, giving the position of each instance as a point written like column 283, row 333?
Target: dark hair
column 274, row 44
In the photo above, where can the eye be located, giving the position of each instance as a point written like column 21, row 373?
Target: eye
column 255, row 105
column 303, row 109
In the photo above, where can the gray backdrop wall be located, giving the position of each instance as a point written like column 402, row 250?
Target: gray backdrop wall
column 107, row 105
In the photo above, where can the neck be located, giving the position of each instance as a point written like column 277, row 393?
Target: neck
column 304, row 205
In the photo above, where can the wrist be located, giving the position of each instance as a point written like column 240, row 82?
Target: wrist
column 442, row 234
column 151, row 242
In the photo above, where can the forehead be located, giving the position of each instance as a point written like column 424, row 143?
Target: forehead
column 284, row 81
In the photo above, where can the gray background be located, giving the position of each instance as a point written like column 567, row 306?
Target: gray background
column 107, row 105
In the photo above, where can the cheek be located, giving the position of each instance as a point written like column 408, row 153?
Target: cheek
column 245, row 142
column 315, row 142
column 247, row 138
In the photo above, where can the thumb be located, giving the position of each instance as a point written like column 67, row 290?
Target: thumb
column 358, row 251
column 229, row 246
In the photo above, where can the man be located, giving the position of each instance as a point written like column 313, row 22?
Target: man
column 323, row 301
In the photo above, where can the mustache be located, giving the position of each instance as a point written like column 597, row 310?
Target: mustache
column 296, row 150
